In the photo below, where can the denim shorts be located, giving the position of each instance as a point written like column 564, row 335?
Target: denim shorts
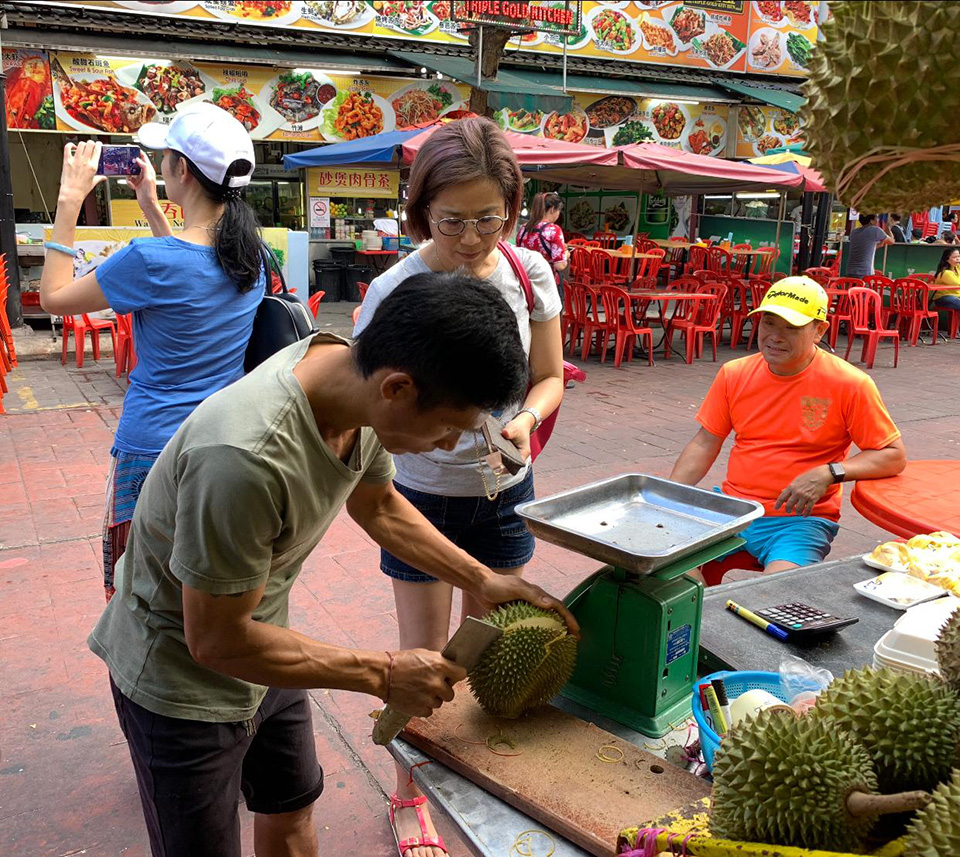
column 489, row 530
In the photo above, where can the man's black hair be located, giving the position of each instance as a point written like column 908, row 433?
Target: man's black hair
column 895, row 218
column 454, row 335
column 917, row 234
column 866, row 218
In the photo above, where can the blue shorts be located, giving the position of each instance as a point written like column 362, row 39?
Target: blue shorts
column 790, row 538
column 489, row 530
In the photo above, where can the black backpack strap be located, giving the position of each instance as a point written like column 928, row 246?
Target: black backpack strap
column 271, row 264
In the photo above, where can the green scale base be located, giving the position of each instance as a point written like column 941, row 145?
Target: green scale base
column 640, row 637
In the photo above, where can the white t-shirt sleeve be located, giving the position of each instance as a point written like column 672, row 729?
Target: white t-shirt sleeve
column 546, row 298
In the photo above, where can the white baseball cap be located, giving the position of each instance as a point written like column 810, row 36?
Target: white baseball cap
column 208, row 136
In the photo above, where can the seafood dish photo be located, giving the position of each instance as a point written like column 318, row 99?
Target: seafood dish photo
column 409, row 15
column 770, row 10
column 688, row 23
column 342, row 12
column 699, row 140
column 657, row 36
column 261, row 10
column 300, row 97
column 581, row 216
column 751, row 121
column 799, row 13
column 615, row 31
column 766, row 53
column 524, row 121
column 238, row 102
column 669, row 120
column 421, row 105
column 611, row 111
column 767, row 142
column 352, row 115
column 786, row 123
column 570, row 127
column 167, row 85
column 721, row 48
column 102, row 102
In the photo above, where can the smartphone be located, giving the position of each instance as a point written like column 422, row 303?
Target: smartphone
column 119, row 161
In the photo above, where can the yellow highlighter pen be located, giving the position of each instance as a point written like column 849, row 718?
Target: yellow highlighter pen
column 754, row 619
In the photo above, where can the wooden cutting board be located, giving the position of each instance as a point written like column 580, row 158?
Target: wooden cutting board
column 556, row 777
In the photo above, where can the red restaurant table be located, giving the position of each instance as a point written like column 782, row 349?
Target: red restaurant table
column 923, row 499
column 377, row 261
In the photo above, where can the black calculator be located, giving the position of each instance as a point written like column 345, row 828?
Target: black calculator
column 801, row 621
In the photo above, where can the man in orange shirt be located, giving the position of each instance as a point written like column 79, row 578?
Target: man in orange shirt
column 795, row 411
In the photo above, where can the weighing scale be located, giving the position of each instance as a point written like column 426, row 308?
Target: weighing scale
column 640, row 614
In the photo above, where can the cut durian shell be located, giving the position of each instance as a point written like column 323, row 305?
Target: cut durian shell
column 935, row 830
column 528, row 665
column 783, row 780
column 909, row 724
column 884, row 84
column 948, row 653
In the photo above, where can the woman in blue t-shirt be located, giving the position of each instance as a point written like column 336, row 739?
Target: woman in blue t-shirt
column 193, row 296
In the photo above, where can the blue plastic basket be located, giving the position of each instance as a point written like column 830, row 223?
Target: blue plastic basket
column 391, row 243
column 736, row 683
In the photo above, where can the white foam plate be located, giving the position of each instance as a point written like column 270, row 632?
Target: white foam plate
column 898, row 590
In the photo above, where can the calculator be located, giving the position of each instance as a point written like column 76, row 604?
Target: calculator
column 801, row 621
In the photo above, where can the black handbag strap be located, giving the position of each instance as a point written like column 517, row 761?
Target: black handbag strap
column 271, row 263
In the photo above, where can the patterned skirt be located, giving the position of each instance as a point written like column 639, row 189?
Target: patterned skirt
column 128, row 471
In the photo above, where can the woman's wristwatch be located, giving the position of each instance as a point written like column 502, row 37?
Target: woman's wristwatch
column 537, row 419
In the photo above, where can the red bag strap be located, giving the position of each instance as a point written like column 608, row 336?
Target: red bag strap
column 519, row 271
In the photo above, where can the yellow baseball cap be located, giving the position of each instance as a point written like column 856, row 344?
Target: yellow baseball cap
column 797, row 300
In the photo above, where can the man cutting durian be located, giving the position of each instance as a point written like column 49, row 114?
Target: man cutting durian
column 795, row 411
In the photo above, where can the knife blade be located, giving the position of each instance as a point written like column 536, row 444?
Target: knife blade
column 464, row 648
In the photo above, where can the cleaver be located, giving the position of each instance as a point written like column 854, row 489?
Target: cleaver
column 464, row 648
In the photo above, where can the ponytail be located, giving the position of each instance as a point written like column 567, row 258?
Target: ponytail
column 541, row 204
column 236, row 241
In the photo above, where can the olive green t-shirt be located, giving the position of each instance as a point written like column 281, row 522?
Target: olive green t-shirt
column 239, row 497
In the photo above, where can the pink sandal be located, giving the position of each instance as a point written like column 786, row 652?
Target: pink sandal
column 414, row 841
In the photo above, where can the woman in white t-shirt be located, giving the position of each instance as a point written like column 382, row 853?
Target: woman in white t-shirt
column 464, row 196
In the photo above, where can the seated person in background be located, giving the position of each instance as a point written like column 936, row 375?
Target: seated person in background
column 917, row 236
column 795, row 410
column 948, row 274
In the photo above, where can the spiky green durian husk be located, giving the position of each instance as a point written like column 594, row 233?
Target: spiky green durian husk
column 909, row 724
column 948, row 652
column 886, row 74
column 785, row 780
column 528, row 665
column 935, row 830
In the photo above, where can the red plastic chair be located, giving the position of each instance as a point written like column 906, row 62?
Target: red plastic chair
column 619, row 307
column 590, row 245
column 580, row 265
column 647, row 269
column 695, row 319
column 8, row 351
column 865, row 310
column 578, row 299
column 764, row 264
column 719, row 261
column 844, row 283
column 734, row 308
column 741, row 261
column 575, row 238
column 838, row 312
column 595, row 325
column 924, row 278
column 820, row 275
column 910, row 308
column 696, row 259
column 363, row 290
column 78, row 327
column 566, row 315
column 606, row 270
column 672, row 265
column 758, row 288
column 607, row 240
column 881, row 284
column 314, row 302
column 125, row 355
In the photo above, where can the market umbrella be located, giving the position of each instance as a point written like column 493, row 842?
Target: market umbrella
column 781, row 157
column 812, row 180
column 380, row 149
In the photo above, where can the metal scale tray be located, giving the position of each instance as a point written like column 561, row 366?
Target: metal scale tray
column 637, row 522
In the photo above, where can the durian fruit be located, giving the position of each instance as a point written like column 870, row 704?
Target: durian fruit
column 528, row 665
column 948, row 652
column 885, row 80
column 784, row 780
column 909, row 724
column 935, row 830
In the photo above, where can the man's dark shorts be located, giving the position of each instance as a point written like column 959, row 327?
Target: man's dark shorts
column 191, row 773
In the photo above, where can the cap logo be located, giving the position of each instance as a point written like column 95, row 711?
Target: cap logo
column 781, row 293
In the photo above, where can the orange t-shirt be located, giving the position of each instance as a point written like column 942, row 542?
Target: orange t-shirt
column 786, row 425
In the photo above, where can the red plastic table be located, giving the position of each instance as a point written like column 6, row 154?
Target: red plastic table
column 378, row 260
column 923, row 499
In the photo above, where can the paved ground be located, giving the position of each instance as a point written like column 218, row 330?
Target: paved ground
column 66, row 785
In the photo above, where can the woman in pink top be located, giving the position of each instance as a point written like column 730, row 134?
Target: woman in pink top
column 542, row 234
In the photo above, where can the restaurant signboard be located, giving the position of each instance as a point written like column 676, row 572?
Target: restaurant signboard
column 561, row 18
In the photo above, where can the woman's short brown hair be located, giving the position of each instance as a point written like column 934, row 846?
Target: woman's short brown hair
column 462, row 151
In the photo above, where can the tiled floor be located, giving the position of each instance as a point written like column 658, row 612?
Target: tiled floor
column 66, row 785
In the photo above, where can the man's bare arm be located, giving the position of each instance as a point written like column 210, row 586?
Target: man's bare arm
column 697, row 458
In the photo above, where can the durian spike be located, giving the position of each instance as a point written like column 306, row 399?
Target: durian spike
column 861, row 804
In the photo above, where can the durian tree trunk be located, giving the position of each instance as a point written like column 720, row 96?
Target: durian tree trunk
column 494, row 43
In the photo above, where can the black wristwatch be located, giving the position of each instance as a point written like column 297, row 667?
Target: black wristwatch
column 837, row 472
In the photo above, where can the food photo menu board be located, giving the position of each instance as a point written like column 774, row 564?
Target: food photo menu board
column 769, row 37
column 761, row 128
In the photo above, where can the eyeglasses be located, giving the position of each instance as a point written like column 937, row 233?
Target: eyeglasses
column 450, row 226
